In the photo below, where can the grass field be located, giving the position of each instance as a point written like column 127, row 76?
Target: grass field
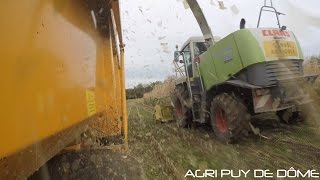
column 166, row 152
column 160, row 151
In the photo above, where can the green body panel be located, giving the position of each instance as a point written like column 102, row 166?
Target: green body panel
column 248, row 47
column 208, row 69
column 299, row 48
column 222, row 61
column 233, row 53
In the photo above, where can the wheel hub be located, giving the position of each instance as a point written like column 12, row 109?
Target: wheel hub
column 221, row 120
column 179, row 109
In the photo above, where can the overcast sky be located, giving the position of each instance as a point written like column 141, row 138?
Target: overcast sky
column 152, row 28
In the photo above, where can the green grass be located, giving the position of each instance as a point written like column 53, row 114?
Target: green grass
column 292, row 146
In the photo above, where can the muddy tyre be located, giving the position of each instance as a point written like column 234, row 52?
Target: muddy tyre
column 229, row 118
column 289, row 117
column 182, row 112
column 304, row 113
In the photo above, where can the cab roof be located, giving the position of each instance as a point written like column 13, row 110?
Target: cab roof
column 199, row 39
column 193, row 39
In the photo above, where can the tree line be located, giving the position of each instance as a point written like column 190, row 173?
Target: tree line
column 139, row 90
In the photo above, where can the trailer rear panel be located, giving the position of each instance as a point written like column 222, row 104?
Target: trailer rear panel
column 61, row 72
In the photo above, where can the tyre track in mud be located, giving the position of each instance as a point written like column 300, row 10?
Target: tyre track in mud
column 183, row 148
column 176, row 174
column 305, row 149
column 144, row 148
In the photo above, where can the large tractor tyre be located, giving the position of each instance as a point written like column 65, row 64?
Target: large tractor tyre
column 309, row 113
column 230, row 119
column 182, row 112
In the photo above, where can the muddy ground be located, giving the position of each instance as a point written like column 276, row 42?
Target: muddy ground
column 91, row 164
column 162, row 151
column 166, row 152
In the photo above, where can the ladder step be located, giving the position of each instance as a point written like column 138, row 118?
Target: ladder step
column 199, row 120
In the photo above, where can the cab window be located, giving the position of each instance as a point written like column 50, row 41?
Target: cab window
column 199, row 48
column 187, row 54
column 187, row 57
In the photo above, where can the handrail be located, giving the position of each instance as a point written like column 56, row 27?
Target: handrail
column 201, row 81
column 269, row 9
column 178, row 69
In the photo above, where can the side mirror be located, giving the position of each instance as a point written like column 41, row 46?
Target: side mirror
column 283, row 28
column 176, row 56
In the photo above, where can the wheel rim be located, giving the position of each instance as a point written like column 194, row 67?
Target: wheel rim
column 221, row 120
column 179, row 109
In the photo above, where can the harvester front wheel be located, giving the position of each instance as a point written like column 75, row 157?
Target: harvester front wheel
column 182, row 113
column 229, row 118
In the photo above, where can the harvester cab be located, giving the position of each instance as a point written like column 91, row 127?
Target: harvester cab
column 249, row 72
column 189, row 55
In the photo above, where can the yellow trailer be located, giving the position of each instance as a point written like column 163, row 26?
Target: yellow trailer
column 62, row 72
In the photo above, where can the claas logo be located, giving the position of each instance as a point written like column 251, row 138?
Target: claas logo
column 275, row 32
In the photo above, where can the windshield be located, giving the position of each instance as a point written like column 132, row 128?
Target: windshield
column 199, row 48
column 187, row 54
